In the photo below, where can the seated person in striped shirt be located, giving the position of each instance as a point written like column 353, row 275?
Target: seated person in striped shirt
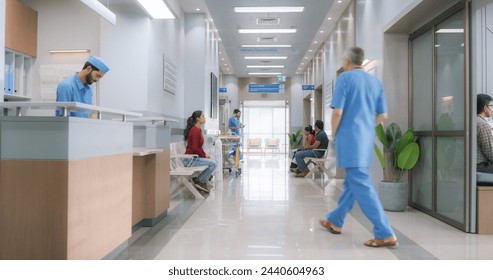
column 484, row 139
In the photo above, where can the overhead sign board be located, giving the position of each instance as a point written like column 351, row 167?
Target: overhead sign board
column 307, row 87
column 223, row 89
column 266, row 88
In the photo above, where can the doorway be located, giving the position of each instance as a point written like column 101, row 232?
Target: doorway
column 266, row 120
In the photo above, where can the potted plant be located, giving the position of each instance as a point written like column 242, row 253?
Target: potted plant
column 294, row 141
column 400, row 154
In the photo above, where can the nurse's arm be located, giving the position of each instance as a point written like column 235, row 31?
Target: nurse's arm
column 380, row 118
column 336, row 119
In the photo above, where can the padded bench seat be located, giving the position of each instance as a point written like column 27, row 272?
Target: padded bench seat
column 485, row 202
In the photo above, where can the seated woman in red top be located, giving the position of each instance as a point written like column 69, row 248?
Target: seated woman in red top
column 195, row 140
column 308, row 141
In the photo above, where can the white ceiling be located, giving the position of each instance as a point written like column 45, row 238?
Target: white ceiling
column 309, row 24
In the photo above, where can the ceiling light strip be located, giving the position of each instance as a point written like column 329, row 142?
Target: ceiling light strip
column 280, row 9
column 267, row 30
column 262, row 73
column 156, row 9
column 99, row 8
column 266, row 46
column 266, row 57
column 265, row 66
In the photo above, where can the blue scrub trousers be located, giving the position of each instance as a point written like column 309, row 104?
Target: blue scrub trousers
column 358, row 187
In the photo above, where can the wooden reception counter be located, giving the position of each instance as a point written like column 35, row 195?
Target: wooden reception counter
column 65, row 187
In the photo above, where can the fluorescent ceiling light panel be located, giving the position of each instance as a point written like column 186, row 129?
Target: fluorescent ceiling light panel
column 297, row 9
column 70, row 51
column 450, row 30
column 157, row 9
column 99, row 8
column 267, row 30
column 266, row 46
column 266, row 57
column 265, row 66
column 262, row 73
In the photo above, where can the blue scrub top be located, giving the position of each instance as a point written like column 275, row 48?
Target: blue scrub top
column 360, row 96
column 234, row 122
column 72, row 90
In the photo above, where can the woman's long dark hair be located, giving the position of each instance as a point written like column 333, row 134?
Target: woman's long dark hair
column 309, row 128
column 191, row 121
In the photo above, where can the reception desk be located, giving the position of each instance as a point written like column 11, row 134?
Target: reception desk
column 65, row 187
column 151, row 179
column 150, row 186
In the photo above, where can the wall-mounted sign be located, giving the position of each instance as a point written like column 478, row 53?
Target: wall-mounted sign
column 307, row 87
column 266, row 88
column 281, row 78
column 223, row 89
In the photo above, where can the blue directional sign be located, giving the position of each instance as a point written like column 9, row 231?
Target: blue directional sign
column 307, row 87
column 266, row 88
column 223, row 89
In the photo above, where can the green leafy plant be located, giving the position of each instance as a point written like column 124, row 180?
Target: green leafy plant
column 400, row 151
column 295, row 139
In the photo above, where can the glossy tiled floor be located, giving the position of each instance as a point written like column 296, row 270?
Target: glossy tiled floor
column 267, row 214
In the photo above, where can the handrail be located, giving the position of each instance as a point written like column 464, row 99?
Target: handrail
column 67, row 107
column 153, row 120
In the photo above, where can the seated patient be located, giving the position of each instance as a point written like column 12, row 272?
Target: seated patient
column 484, row 140
column 309, row 139
column 321, row 142
column 195, row 140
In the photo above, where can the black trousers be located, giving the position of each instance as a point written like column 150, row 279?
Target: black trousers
column 484, row 167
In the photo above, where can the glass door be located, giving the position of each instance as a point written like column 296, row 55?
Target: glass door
column 265, row 120
column 439, row 101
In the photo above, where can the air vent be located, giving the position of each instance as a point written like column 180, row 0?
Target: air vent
column 267, row 39
column 268, row 21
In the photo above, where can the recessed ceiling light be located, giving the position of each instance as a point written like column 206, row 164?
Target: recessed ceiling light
column 315, row 42
column 321, row 31
column 266, row 30
column 269, row 9
column 262, row 73
column 310, row 50
column 339, row 1
column 197, row 9
column 329, row 18
column 266, row 46
column 265, row 66
column 157, row 9
column 266, row 57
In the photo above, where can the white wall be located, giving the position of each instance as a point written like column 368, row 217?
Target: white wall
column 200, row 61
column 231, row 83
column 296, row 103
column 134, row 51
column 63, row 25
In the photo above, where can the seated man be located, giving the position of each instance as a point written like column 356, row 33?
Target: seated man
column 321, row 142
column 484, row 139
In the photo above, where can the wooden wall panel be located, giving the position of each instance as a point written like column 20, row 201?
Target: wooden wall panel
column 33, row 209
column 99, row 205
column 65, row 209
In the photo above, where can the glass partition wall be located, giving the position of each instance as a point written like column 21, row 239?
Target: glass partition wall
column 439, row 114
